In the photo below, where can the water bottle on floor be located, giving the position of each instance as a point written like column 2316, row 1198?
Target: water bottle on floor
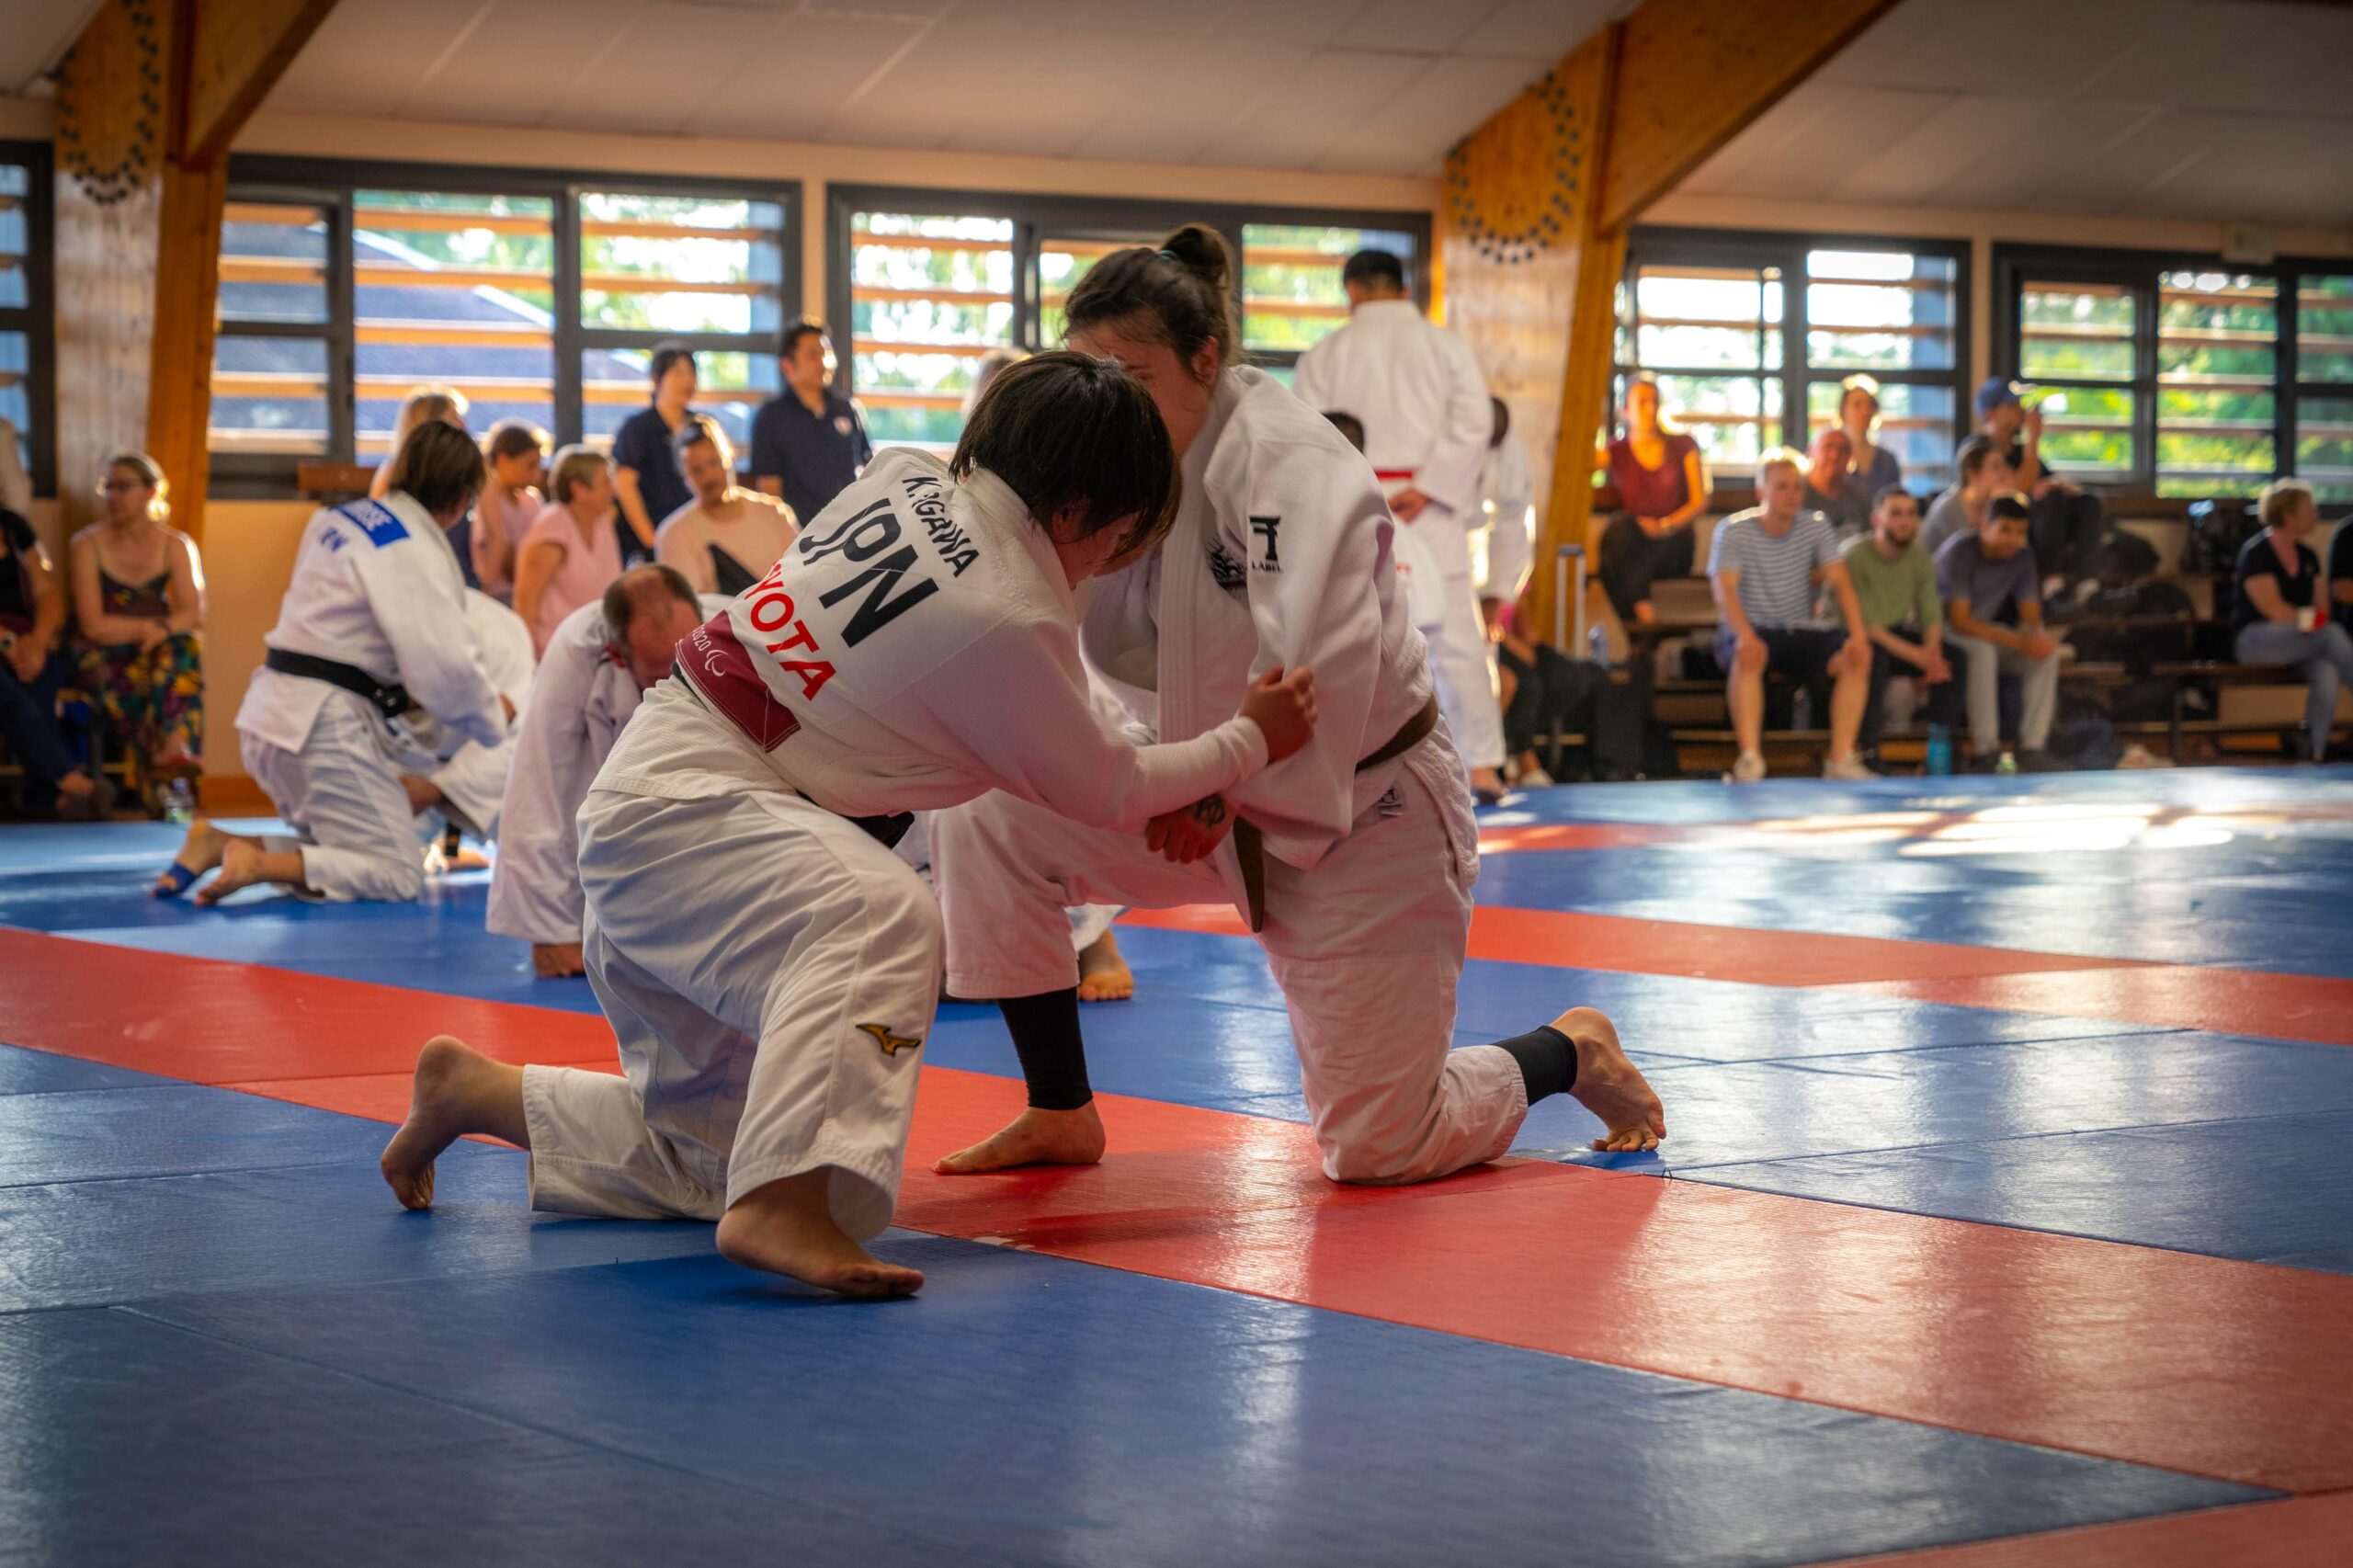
column 2009, row 762
column 1939, row 764
column 180, row 802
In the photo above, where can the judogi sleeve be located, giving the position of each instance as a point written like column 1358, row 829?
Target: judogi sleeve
column 1449, row 473
column 1511, row 547
column 1314, row 520
column 474, row 779
column 535, row 884
column 1017, row 706
column 432, row 644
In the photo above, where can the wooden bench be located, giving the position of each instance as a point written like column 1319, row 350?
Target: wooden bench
column 2187, row 674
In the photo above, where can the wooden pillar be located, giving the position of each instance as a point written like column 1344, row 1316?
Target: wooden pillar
column 1539, row 200
column 149, row 99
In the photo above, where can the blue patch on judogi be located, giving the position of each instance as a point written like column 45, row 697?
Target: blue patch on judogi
column 378, row 522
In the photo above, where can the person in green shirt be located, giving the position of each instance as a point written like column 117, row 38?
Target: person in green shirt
column 1895, row 584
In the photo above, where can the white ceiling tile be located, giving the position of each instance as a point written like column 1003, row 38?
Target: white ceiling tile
column 1414, row 26
column 1294, row 129
column 1541, row 29
column 1923, row 141
column 34, row 33
column 790, row 80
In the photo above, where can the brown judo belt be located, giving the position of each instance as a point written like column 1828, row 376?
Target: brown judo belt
column 1250, row 845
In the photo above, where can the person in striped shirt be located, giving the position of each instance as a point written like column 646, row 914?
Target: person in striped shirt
column 1769, row 566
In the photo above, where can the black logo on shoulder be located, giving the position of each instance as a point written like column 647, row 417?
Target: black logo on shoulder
column 1227, row 572
column 1264, row 527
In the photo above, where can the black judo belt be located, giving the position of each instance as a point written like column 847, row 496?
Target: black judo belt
column 1250, row 845
column 389, row 698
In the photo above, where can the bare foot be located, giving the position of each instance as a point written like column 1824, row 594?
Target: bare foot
column 240, row 867
column 199, row 852
column 1103, row 973
column 787, row 1227
column 1035, row 1138
column 457, row 1090
column 1610, row 1086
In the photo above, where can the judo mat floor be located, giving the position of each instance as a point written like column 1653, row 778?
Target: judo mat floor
column 2006, row 1219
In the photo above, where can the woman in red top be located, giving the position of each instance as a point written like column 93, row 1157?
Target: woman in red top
column 1662, row 485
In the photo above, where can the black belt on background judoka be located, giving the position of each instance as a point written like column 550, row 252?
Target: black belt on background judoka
column 1250, row 845
column 389, row 698
column 885, row 830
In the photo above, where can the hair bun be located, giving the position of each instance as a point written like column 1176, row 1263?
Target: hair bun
column 1202, row 251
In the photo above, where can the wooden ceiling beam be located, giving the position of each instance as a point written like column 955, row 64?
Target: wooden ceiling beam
column 1694, row 73
column 237, row 50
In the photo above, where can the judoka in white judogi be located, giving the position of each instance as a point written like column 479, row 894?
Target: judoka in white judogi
column 376, row 588
column 1505, row 549
column 584, row 694
column 474, row 779
column 1423, row 401
column 1280, row 555
column 770, row 966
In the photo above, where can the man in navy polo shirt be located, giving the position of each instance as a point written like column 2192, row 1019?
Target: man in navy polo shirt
column 810, row 443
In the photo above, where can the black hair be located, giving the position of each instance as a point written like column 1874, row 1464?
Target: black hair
column 693, row 431
column 789, row 344
column 1890, row 492
column 438, row 467
column 665, row 354
column 513, row 438
column 1375, row 266
column 1182, row 294
column 627, row 593
column 2011, row 504
column 1347, row 424
column 1502, row 422
column 1066, row 429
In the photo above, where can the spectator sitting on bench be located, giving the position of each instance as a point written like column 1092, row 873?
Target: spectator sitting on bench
column 1981, row 472
column 2065, row 524
column 2340, row 571
column 32, row 667
column 1994, row 606
column 2275, row 606
column 1896, row 584
column 1767, row 567
column 1662, row 484
column 1828, row 489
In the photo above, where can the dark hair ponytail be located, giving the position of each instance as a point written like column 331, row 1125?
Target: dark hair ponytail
column 1182, row 294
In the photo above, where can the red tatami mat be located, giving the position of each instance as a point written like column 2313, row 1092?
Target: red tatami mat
column 2298, row 1532
column 1688, row 952
column 2204, row 1365
column 2229, row 1000
column 2317, row 1008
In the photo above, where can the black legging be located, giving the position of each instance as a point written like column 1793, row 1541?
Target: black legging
column 1631, row 560
column 2066, row 531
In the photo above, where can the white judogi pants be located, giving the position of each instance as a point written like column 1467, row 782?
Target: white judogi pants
column 342, row 796
column 770, row 972
column 1368, row 948
column 1460, row 655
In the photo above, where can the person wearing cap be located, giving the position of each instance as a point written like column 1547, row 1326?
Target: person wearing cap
column 2066, row 523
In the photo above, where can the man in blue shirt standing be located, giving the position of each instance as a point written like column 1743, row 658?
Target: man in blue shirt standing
column 808, row 444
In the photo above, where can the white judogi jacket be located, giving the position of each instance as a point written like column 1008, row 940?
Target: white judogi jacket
column 1282, row 554
column 580, row 700
column 1420, row 394
column 376, row 586
column 474, row 779
column 915, row 648
column 1510, row 538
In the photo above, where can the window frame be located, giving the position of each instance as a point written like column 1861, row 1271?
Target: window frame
column 332, row 184
column 1676, row 246
column 1037, row 217
column 37, row 317
column 2144, row 271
